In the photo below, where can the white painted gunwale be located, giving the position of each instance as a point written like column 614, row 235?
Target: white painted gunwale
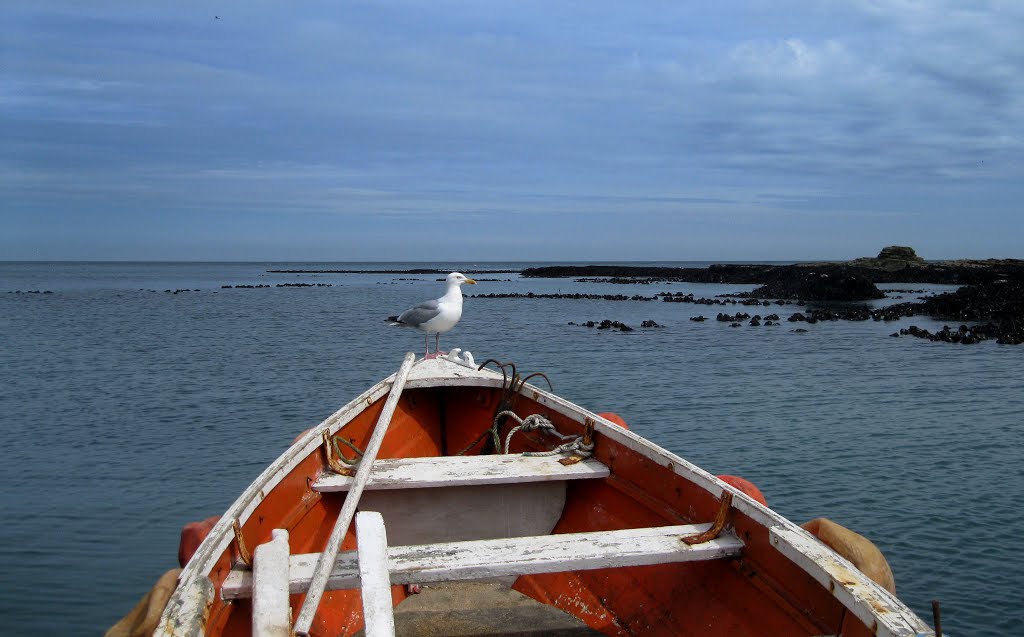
column 190, row 596
column 847, row 583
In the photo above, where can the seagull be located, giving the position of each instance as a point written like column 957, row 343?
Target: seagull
column 438, row 315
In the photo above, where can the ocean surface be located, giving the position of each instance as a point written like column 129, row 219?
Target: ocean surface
column 128, row 410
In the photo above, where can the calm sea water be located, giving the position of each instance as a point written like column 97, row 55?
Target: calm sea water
column 128, row 411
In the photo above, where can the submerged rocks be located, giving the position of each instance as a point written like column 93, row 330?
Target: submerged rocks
column 966, row 335
column 257, row 286
column 680, row 297
column 732, row 318
column 606, row 324
column 609, row 324
column 575, row 296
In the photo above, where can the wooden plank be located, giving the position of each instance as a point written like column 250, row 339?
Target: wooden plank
column 453, row 471
column 372, row 549
column 480, row 559
column 348, row 509
column 271, row 613
column 876, row 607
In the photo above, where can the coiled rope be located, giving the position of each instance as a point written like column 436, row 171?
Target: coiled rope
column 576, row 445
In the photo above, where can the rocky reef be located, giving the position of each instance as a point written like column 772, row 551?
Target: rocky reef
column 1000, row 305
column 894, row 264
column 991, row 296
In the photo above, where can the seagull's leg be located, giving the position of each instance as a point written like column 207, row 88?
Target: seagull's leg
column 437, row 344
column 426, row 346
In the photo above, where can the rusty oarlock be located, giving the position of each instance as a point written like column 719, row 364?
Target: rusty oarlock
column 240, row 548
column 336, row 465
column 721, row 518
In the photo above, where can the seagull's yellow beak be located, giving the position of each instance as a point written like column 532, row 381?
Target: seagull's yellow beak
column 470, row 281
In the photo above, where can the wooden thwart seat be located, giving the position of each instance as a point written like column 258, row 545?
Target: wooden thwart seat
column 455, row 471
column 479, row 559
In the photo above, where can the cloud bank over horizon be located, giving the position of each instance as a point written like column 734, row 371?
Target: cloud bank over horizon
column 454, row 130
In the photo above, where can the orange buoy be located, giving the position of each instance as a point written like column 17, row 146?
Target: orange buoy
column 192, row 535
column 614, row 418
column 745, row 486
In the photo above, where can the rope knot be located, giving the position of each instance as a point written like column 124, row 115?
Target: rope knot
column 579, row 447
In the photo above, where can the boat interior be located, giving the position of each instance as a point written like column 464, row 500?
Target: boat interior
column 486, row 478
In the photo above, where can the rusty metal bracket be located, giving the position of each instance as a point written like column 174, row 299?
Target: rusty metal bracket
column 588, row 431
column 587, row 442
column 240, row 548
column 335, row 465
column 721, row 518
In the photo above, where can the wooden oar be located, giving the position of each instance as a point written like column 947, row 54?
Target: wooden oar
column 348, row 510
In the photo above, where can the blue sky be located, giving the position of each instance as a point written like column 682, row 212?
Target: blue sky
column 754, row 129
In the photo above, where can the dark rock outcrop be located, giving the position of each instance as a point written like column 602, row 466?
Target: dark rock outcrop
column 835, row 283
column 891, row 259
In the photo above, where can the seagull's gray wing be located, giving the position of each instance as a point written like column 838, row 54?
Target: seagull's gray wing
column 420, row 314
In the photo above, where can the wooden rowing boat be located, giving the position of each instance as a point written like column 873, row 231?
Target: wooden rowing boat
column 624, row 535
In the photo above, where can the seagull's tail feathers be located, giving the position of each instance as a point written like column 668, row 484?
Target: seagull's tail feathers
column 393, row 321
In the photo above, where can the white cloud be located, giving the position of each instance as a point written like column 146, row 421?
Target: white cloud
column 787, row 58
